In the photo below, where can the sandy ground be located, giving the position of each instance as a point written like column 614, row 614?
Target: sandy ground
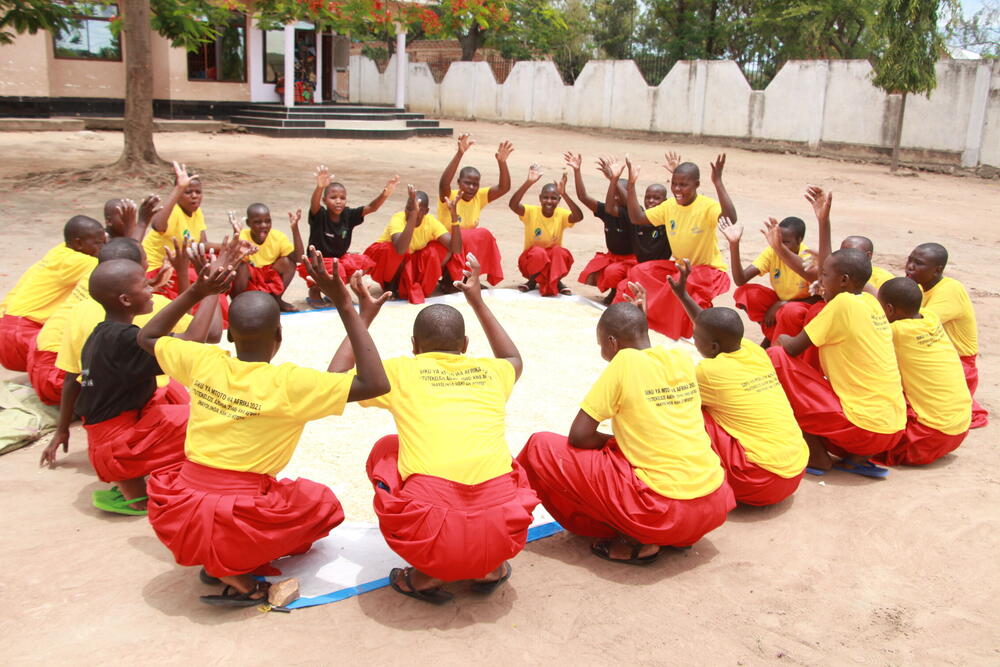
column 848, row 570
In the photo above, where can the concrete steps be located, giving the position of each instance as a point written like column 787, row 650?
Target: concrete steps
column 341, row 121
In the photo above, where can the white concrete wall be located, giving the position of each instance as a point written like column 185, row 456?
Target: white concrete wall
column 811, row 103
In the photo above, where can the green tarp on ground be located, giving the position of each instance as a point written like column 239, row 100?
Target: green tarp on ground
column 23, row 417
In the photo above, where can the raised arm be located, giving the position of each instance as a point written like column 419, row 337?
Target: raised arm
column 401, row 241
column 182, row 180
column 733, row 232
column 679, row 288
column 772, row 233
column 575, row 214
column 636, row 213
column 821, row 202
column 615, row 197
column 503, row 186
column 534, row 173
column 376, row 203
column 574, row 161
column 369, row 307
column 500, row 342
column 465, row 142
column 371, row 380
column 452, row 240
column 293, row 222
column 323, row 177
column 728, row 209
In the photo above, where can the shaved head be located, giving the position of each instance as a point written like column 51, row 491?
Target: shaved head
column 422, row 200
column 80, row 226
column 439, row 328
column 657, row 189
column 689, row 169
column 624, row 321
column 722, row 325
column 796, row 226
column 853, row 263
column 254, row 315
column 257, row 208
column 121, row 248
column 935, row 252
column 333, row 186
column 550, row 187
column 902, row 293
column 862, row 243
column 113, row 278
column 110, row 205
column 469, row 171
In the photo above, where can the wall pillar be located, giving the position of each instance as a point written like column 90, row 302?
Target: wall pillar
column 289, row 65
column 318, row 93
column 401, row 67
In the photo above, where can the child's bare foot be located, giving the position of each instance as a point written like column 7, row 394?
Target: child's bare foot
column 819, row 457
column 286, row 307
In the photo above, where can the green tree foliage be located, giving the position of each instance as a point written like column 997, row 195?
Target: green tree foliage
column 30, row 16
column 979, row 33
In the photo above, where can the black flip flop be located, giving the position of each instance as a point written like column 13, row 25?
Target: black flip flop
column 487, row 587
column 603, row 550
column 208, row 579
column 433, row 595
column 233, row 598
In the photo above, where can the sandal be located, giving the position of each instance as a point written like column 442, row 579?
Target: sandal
column 565, row 291
column 112, row 501
column 603, row 550
column 432, row 595
column 208, row 579
column 866, row 469
column 528, row 286
column 231, row 597
column 487, row 587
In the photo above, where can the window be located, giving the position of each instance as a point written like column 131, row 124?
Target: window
column 223, row 59
column 274, row 55
column 89, row 35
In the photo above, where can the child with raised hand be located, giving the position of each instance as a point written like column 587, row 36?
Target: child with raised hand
column 782, row 307
column 449, row 498
column 852, row 406
column 272, row 266
column 747, row 414
column 606, row 269
column 472, row 199
column 331, row 226
column 950, row 301
column 656, row 481
column 544, row 261
column 222, row 508
column 939, row 405
column 411, row 254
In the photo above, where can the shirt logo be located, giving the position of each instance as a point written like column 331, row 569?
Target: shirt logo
column 777, row 273
column 673, row 225
column 538, row 232
column 656, row 233
column 187, row 233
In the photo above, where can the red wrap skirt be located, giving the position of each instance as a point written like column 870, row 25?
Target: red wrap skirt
column 234, row 522
column 595, row 493
column 610, row 268
column 347, row 265
column 752, row 485
column 664, row 312
column 920, row 444
column 16, row 335
column 818, row 410
column 548, row 265
column 448, row 530
column 44, row 376
column 980, row 415
column 418, row 272
column 265, row 279
column 756, row 300
column 138, row 442
column 481, row 243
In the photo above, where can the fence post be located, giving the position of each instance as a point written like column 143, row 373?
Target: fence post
column 977, row 116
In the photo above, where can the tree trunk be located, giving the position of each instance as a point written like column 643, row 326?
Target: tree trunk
column 471, row 42
column 139, row 150
column 898, row 135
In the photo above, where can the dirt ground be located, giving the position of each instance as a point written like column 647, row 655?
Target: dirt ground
column 900, row 571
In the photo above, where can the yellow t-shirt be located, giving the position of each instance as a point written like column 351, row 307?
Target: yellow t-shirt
column 933, row 379
column 450, row 411
column 86, row 315
column 691, row 229
column 247, row 416
column 742, row 393
column 469, row 211
column 180, row 226
column 652, row 399
column 949, row 300
column 541, row 231
column 51, row 334
column 275, row 246
column 856, row 352
column 879, row 276
column 787, row 284
column 429, row 229
column 48, row 282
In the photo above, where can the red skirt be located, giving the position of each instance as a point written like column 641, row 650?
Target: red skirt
column 234, row 522
column 819, row 412
column 445, row 529
column 44, row 376
column 417, row 272
column 980, row 415
column 16, row 335
column 481, row 243
column 752, row 485
column 610, row 268
column 347, row 264
column 548, row 265
column 595, row 493
column 756, row 300
column 664, row 312
column 139, row 442
column 265, row 279
column 920, row 444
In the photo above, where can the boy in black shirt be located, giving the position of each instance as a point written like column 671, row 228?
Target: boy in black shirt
column 331, row 224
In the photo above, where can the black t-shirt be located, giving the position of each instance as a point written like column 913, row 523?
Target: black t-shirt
column 117, row 376
column 333, row 238
column 617, row 230
column 650, row 242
